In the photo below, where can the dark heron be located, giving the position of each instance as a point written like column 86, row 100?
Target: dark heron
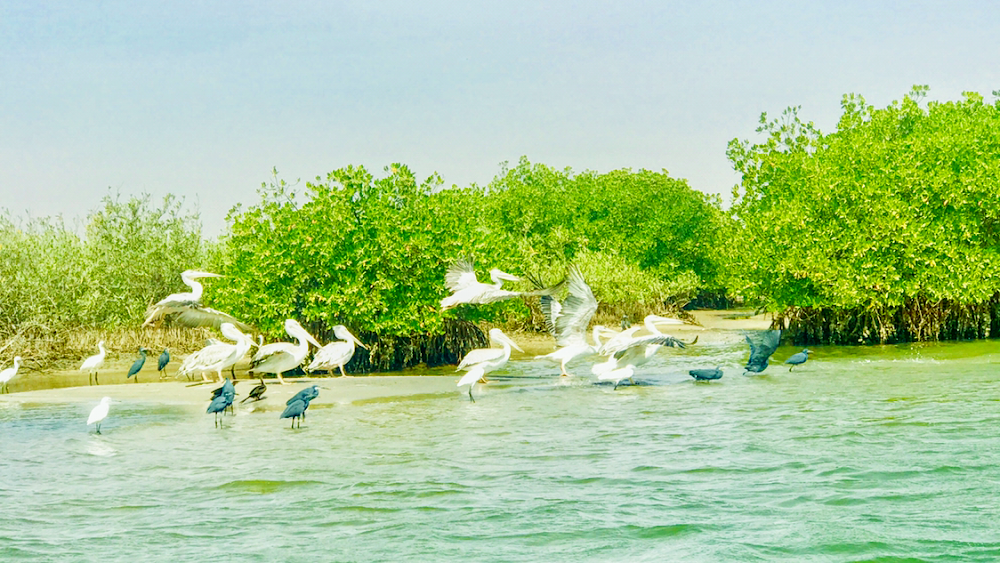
column 161, row 364
column 626, row 322
column 137, row 365
column 706, row 374
column 295, row 410
column 761, row 351
column 219, row 404
column 228, row 389
column 257, row 393
column 307, row 395
column 798, row 359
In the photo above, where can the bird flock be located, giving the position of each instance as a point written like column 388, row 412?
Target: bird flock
column 614, row 356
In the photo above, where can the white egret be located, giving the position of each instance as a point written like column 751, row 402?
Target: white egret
column 92, row 364
column 461, row 280
column 217, row 357
column 99, row 413
column 570, row 320
column 474, row 374
column 490, row 359
column 336, row 354
column 187, row 306
column 8, row 374
column 280, row 357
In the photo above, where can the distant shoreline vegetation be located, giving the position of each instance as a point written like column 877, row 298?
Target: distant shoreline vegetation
column 886, row 230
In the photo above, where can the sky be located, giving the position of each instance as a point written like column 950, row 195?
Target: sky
column 202, row 99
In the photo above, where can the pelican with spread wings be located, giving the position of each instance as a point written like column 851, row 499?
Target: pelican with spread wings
column 568, row 321
column 626, row 349
column 187, row 309
column 461, row 280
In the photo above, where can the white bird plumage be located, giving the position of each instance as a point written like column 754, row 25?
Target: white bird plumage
column 626, row 349
column 99, row 413
column 568, row 322
column 474, row 374
column 617, row 375
column 490, row 359
column 217, row 357
column 336, row 354
column 461, row 280
column 188, row 308
column 8, row 374
column 279, row 357
column 94, row 363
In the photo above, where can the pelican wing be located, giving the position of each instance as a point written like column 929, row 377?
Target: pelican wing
column 206, row 359
column 577, row 310
column 460, row 275
column 206, row 316
column 551, row 309
column 476, row 357
column 760, row 351
column 643, row 341
column 332, row 355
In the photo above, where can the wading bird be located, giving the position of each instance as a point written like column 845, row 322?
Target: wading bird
column 470, row 379
column 161, row 363
column 217, row 357
column 92, row 364
column 336, row 354
column 280, row 357
column 228, row 388
column 295, row 410
column 257, row 393
column 618, row 375
column 99, row 413
column 761, row 351
column 137, row 365
column 461, row 280
column 187, row 307
column 307, row 395
column 490, row 359
column 798, row 359
column 625, row 348
column 8, row 374
column 706, row 374
column 218, row 404
column 569, row 322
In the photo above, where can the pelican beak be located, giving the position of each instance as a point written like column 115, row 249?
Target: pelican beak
column 313, row 341
column 666, row 320
column 358, row 342
column 513, row 344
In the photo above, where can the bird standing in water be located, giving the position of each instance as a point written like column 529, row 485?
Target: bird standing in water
column 99, row 413
column 798, row 359
column 8, row 374
column 706, row 374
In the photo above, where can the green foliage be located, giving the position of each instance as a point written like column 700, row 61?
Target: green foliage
column 898, row 209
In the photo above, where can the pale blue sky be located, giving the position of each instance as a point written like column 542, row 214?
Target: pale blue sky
column 202, row 99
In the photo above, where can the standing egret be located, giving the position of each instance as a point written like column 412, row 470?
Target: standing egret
column 461, row 280
column 798, row 359
column 470, row 379
column 761, row 351
column 137, row 365
column 99, row 413
column 336, row 354
column 280, row 357
column 188, row 308
column 490, row 359
column 217, row 357
column 571, row 320
column 257, row 393
column 8, row 374
column 94, row 363
column 161, row 363
column 706, row 374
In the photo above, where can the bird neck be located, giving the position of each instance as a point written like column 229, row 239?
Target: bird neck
column 196, row 288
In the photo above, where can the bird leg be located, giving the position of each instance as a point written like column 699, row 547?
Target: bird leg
column 205, row 378
column 232, row 371
column 342, row 374
column 280, row 379
column 470, row 394
column 96, row 382
column 98, row 427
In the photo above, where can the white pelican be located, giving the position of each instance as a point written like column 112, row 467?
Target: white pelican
column 99, row 413
column 627, row 349
column 9, row 373
column 461, row 281
column 617, row 375
column 280, row 357
column 470, row 379
column 336, row 354
column 217, row 357
column 569, row 321
column 188, row 308
column 490, row 359
column 94, row 363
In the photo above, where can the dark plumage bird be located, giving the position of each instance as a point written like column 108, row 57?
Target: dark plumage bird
column 218, row 405
column 137, row 365
column 257, row 393
column 706, row 374
column 295, row 410
column 762, row 350
column 228, row 388
column 161, row 363
column 307, row 395
column 798, row 359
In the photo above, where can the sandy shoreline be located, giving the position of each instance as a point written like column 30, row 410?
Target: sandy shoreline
column 71, row 386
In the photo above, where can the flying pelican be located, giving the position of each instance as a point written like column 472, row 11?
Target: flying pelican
column 137, row 365
column 798, row 359
column 490, row 359
column 99, row 413
column 94, row 363
column 280, row 357
column 570, row 320
column 8, row 374
column 336, row 354
column 217, row 357
column 627, row 349
column 161, row 363
column 761, row 351
column 188, row 308
column 461, row 280
column 470, row 379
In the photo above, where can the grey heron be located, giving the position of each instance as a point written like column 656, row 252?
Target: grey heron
column 137, row 365
column 798, row 359
column 761, row 351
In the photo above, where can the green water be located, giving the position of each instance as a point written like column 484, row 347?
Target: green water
column 863, row 454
